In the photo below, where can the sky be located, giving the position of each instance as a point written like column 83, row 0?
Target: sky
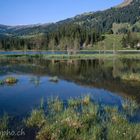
column 23, row 12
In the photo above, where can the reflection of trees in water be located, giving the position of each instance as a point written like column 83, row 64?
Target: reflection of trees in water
column 35, row 80
column 131, row 65
column 98, row 73
column 91, row 69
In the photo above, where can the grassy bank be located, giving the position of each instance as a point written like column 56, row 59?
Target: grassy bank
column 74, row 56
column 80, row 119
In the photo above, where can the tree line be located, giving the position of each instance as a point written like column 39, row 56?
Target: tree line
column 68, row 36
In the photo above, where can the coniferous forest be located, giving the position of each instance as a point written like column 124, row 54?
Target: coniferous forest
column 79, row 32
column 68, row 36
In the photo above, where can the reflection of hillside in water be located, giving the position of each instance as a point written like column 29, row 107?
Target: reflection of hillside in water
column 101, row 73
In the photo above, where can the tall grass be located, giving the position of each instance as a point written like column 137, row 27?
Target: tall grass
column 4, row 121
column 81, row 119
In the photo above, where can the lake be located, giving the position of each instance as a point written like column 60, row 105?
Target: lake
column 66, row 52
column 99, row 78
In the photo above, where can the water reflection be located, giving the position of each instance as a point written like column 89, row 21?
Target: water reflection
column 101, row 78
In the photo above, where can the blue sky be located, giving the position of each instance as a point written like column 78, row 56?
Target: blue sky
column 21, row 12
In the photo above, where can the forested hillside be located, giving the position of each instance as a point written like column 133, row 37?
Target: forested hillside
column 80, row 31
column 66, row 37
column 103, row 20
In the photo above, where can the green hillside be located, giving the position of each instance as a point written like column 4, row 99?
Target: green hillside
column 102, row 21
column 83, row 31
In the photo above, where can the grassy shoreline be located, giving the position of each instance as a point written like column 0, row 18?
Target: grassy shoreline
column 83, row 50
column 76, row 56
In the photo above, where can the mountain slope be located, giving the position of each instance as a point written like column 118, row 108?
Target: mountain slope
column 101, row 21
column 125, row 3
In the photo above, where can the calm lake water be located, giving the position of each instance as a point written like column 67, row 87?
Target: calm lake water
column 31, row 52
column 66, row 52
column 99, row 78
